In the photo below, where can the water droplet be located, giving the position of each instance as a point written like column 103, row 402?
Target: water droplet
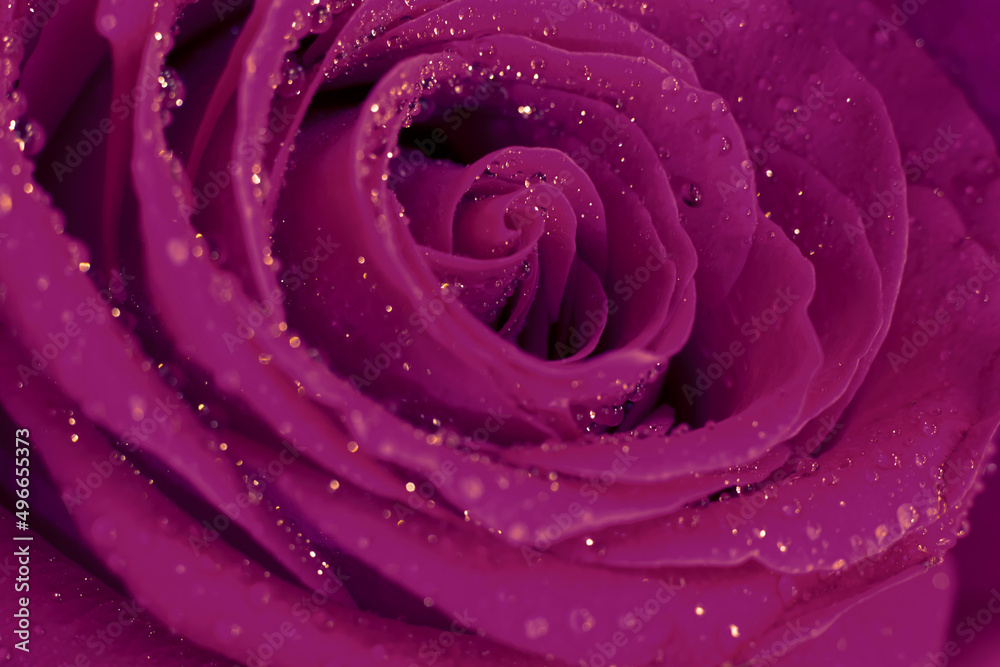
column 724, row 144
column 691, row 195
column 882, row 37
column 806, row 466
column 581, row 620
column 293, row 78
column 536, row 628
column 888, row 460
column 488, row 50
column 907, row 515
column 609, row 415
column 173, row 89
column 472, row 486
column 104, row 531
column 793, row 509
column 30, row 136
column 320, row 16
column 670, row 82
column 787, row 590
column 720, row 107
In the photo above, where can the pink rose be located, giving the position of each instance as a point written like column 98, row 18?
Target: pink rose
column 481, row 332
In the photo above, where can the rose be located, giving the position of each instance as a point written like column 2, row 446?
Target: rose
column 770, row 359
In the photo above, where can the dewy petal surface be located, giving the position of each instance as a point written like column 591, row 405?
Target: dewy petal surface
column 540, row 447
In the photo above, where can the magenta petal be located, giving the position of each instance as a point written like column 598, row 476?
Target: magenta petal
column 76, row 615
column 905, row 624
column 907, row 458
column 757, row 411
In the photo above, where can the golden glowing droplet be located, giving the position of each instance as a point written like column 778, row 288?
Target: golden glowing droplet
column 411, row 487
column 590, row 542
column 518, row 531
column 374, row 108
column 223, row 446
column 177, row 251
column 115, row 312
column 352, row 446
column 85, row 266
column 264, row 358
column 6, row 203
column 74, row 437
column 699, row 610
column 294, row 341
column 535, row 628
column 734, row 631
column 361, row 260
column 334, row 485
